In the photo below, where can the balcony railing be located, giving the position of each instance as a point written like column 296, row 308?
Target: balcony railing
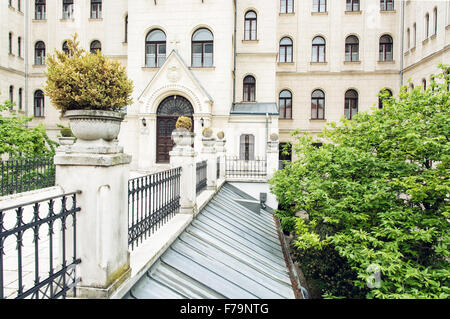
column 201, row 179
column 247, row 169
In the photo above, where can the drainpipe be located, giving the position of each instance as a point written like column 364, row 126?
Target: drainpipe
column 26, row 35
column 267, row 135
column 402, row 44
column 234, row 60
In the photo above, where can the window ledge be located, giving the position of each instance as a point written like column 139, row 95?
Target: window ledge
column 39, row 20
column 67, row 19
column 150, row 68
column 352, row 62
column 206, row 68
column 406, row 53
column 39, row 65
column 281, row 14
column 20, row 58
column 12, row 8
column 447, row 27
column 425, row 41
column 387, row 62
column 413, row 49
column 388, row 11
column 250, row 41
column 286, row 63
column 314, row 13
column 95, row 19
column 286, row 118
column 318, row 63
column 353, row 12
column 248, row 102
column 11, row 55
column 433, row 36
column 125, row 43
column 318, row 120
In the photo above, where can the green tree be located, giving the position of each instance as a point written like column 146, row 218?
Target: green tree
column 376, row 195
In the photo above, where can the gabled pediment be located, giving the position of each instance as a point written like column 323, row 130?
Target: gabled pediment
column 175, row 77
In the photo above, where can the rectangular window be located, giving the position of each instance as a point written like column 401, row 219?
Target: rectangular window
column 67, row 9
column 387, row 5
column 39, row 10
column 19, row 46
column 96, row 9
column 319, row 5
column 286, row 6
column 10, row 43
column 352, row 5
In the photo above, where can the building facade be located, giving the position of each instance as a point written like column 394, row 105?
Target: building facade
column 248, row 68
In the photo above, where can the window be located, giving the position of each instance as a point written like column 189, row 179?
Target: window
column 202, row 48
column 318, row 105
column 351, row 48
column 65, row 48
column 318, row 49
column 427, row 26
column 250, row 26
column 20, row 99
column 286, row 6
column 11, row 94
column 351, row 104
column 424, row 84
column 39, row 10
column 414, row 35
column 380, row 100
column 386, row 48
column 319, row 6
column 387, row 5
column 352, row 5
column 10, row 3
column 285, row 104
column 96, row 9
column 408, row 38
column 435, row 21
column 38, row 103
column 10, row 43
column 19, row 6
column 19, row 46
column 155, row 49
column 95, row 46
column 247, row 147
column 39, row 53
column 249, row 89
column 126, row 29
column 286, row 50
column 67, row 9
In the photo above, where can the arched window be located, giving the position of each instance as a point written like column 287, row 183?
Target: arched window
column 318, row 49
column 95, row 46
column 435, row 21
column 155, row 49
column 319, row 5
column 351, row 48
column 386, row 48
column 286, row 6
column 39, row 53
column 65, row 48
column 427, row 25
column 96, row 9
column 249, row 89
column 352, row 5
column 351, row 104
column 285, row 104
column 202, row 48
column 250, row 26
column 11, row 93
column 387, row 5
column 286, row 50
column 67, row 9
column 247, row 147
column 380, row 100
column 39, row 103
column 424, row 84
column 318, row 105
column 39, row 9
column 20, row 99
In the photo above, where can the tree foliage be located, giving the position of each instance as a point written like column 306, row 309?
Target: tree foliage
column 16, row 139
column 377, row 194
column 82, row 80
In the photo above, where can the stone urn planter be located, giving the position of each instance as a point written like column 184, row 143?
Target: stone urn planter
column 95, row 130
column 183, row 139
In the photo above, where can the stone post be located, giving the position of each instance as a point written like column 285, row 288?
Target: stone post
column 102, row 224
column 184, row 156
column 221, row 153
column 210, row 155
column 272, row 157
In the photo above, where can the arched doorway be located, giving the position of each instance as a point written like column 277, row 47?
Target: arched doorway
column 168, row 112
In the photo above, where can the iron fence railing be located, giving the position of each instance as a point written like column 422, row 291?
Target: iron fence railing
column 238, row 168
column 152, row 201
column 218, row 168
column 22, row 175
column 38, row 248
column 201, row 176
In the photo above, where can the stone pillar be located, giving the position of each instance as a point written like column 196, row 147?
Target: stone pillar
column 221, row 153
column 102, row 223
column 184, row 156
column 272, row 158
column 210, row 155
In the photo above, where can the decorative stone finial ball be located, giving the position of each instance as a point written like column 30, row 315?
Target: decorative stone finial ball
column 220, row 135
column 207, row 132
column 274, row 137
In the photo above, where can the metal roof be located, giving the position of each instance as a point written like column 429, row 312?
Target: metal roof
column 254, row 109
column 228, row 251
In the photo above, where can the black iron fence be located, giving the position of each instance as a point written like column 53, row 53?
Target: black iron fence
column 238, row 168
column 218, row 168
column 201, row 178
column 22, row 175
column 38, row 248
column 152, row 201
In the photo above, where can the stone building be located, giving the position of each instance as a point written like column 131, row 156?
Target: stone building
column 248, row 68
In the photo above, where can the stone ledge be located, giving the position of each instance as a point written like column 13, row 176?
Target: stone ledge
column 80, row 159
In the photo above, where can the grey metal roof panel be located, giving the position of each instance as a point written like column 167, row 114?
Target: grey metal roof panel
column 228, row 251
column 254, row 109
